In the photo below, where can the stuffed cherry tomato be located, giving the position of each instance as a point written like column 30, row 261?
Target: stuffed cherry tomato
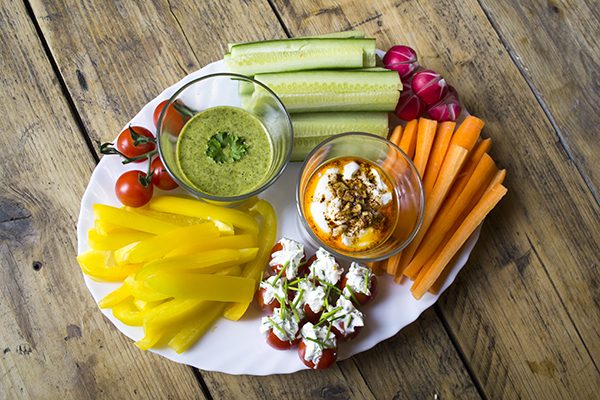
column 288, row 255
column 270, row 294
column 359, row 284
column 318, row 348
column 281, row 330
column 310, row 298
column 324, row 268
column 345, row 320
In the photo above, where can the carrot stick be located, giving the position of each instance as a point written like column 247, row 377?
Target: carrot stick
column 468, row 132
column 473, row 159
column 408, row 142
column 439, row 282
column 447, row 216
column 376, row 267
column 475, row 217
column 392, row 264
column 425, row 135
column 396, row 135
column 438, row 152
column 452, row 164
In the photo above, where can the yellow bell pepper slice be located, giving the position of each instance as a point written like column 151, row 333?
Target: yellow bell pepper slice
column 203, row 262
column 104, row 228
column 128, row 313
column 181, row 220
column 115, row 297
column 254, row 269
column 131, row 219
column 193, row 208
column 100, row 265
column 203, row 286
column 158, row 245
column 140, row 290
column 224, row 242
column 196, row 327
column 115, row 240
column 144, row 305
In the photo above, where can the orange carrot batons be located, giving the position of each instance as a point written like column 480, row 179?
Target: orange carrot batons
column 441, row 142
column 425, row 136
column 468, row 132
column 475, row 217
column 408, row 142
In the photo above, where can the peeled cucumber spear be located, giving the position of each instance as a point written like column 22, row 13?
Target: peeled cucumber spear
column 326, row 90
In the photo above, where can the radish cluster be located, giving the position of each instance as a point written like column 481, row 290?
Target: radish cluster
column 313, row 304
column 424, row 91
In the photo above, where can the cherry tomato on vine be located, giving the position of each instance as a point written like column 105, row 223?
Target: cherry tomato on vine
column 173, row 120
column 161, row 177
column 130, row 191
column 126, row 145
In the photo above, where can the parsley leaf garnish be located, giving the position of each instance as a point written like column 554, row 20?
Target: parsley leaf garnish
column 224, row 147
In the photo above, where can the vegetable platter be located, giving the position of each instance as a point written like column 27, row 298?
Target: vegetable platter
column 237, row 347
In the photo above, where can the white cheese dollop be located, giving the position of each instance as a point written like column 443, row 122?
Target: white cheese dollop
column 312, row 295
column 273, row 288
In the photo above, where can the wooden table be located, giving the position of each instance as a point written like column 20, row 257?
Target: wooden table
column 521, row 320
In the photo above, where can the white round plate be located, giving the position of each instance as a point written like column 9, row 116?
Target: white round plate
column 238, row 347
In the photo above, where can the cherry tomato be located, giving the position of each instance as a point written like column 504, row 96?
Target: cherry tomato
column 161, row 177
column 361, row 297
column 302, row 269
column 266, row 306
column 311, row 316
column 130, row 191
column 125, row 143
column 278, row 344
column 328, row 358
column 343, row 334
column 173, row 121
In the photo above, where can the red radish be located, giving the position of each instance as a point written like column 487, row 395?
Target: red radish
column 410, row 106
column 429, row 86
column 447, row 109
column 402, row 59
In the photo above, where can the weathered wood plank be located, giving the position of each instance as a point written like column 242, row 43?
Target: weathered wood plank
column 555, row 44
column 54, row 341
column 549, row 215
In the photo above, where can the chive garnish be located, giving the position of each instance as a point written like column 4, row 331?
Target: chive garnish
column 352, row 294
column 322, row 344
column 300, row 295
column 277, row 326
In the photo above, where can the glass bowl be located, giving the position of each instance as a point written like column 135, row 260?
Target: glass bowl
column 407, row 203
column 200, row 130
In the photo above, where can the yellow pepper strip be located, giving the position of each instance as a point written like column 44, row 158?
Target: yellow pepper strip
column 140, row 290
column 104, row 228
column 158, row 245
column 247, row 206
column 115, row 297
column 131, row 219
column 220, row 258
column 144, row 305
column 177, row 219
column 180, row 220
column 99, row 265
column 167, row 317
column 178, row 205
column 115, row 240
column 195, row 328
column 253, row 270
column 224, row 242
column 128, row 313
column 203, row 286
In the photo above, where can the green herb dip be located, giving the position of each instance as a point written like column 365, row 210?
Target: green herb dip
column 228, row 178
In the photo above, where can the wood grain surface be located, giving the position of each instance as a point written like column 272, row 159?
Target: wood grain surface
column 520, row 321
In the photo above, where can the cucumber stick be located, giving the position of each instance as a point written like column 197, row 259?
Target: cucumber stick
column 310, row 129
column 358, row 34
column 300, row 54
column 323, row 91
